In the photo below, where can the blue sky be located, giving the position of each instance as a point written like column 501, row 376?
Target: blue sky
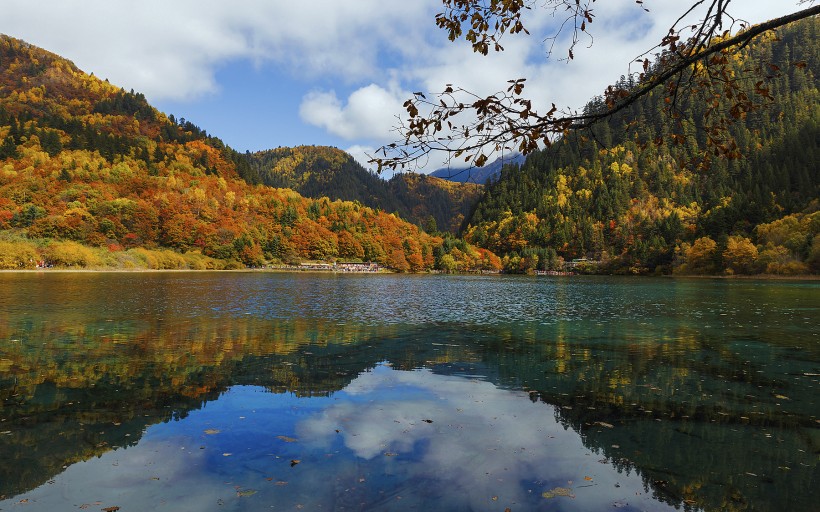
column 266, row 73
column 253, row 109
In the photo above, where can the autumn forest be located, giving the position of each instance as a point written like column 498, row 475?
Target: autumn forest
column 92, row 176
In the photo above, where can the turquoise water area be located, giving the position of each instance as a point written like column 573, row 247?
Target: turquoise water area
column 264, row 391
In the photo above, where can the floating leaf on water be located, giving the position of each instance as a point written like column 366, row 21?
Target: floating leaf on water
column 588, row 478
column 294, row 462
column 287, row 439
column 111, row 509
column 211, row 431
column 558, row 491
column 782, row 397
column 245, row 493
column 227, row 454
column 604, row 424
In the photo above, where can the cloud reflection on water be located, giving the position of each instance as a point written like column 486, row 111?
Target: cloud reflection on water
column 391, row 440
column 480, row 445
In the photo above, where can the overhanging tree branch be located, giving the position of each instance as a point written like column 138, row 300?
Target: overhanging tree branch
column 507, row 121
column 685, row 62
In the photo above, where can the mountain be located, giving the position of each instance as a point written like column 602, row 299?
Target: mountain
column 320, row 171
column 434, row 203
column 479, row 175
column 94, row 176
column 640, row 194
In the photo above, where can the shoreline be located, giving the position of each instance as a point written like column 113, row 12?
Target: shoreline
column 755, row 277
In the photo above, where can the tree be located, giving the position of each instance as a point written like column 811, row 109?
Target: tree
column 690, row 61
column 740, row 255
column 700, row 257
column 8, row 149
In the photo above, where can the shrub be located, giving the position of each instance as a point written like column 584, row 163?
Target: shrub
column 198, row 261
column 814, row 254
column 163, row 259
column 70, row 254
column 776, row 259
column 17, row 255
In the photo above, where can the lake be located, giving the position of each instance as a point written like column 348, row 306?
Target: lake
column 265, row 391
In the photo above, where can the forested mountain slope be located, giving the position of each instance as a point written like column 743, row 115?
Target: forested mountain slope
column 317, row 171
column 91, row 175
column 638, row 195
column 320, row 171
column 434, row 203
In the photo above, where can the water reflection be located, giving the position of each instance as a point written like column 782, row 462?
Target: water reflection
column 391, row 439
column 690, row 394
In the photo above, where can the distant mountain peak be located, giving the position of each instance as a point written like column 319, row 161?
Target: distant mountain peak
column 479, row 175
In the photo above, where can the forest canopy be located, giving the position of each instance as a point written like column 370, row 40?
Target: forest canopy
column 630, row 195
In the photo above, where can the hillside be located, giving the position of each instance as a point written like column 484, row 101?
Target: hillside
column 638, row 195
column 318, row 171
column 434, row 203
column 91, row 175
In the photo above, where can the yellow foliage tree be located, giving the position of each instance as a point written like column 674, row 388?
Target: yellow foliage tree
column 700, row 257
column 740, row 255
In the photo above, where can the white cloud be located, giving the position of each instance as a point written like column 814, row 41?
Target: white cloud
column 373, row 52
column 363, row 153
column 369, row 112
column 171, row 50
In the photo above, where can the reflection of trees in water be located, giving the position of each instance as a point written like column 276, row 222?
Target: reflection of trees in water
column 703, row 425
column 692, row 417
column 71, row 391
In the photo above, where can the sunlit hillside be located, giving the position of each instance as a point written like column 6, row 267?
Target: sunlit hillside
column 93, row 176
column 317, row 171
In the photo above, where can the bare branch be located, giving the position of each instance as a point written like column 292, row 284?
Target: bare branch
column 508, row 121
